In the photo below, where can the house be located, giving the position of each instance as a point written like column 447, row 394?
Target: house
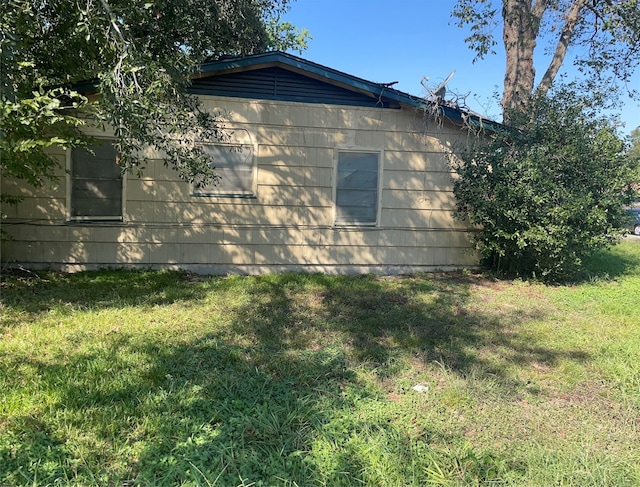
column 322, row 172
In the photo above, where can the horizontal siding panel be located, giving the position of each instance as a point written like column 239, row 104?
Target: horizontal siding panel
column 420, row 219
column 413, row 180
column 266, row 246
column 406, row 199
column 416, row 161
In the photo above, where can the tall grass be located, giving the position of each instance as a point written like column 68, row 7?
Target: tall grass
column 163, row 378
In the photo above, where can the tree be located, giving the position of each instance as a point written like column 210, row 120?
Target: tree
column 138, row 56
column 548, row 193
column 548, row 188
column 604, row 33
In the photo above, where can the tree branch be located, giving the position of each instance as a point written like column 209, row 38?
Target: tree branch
column 571, row 20
column 112, row 20
column 537, row 11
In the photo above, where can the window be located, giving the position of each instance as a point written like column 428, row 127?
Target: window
column 234, row 166
column 96, row 184
column 357, row 188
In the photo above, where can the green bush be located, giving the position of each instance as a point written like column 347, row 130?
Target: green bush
column 548, row 193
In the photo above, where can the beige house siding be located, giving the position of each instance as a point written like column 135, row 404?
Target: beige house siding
column 288, row 225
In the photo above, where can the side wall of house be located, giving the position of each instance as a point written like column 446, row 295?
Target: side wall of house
column 289, row 224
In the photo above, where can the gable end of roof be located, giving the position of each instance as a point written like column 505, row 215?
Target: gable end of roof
column 278, row 83
column 379, row 94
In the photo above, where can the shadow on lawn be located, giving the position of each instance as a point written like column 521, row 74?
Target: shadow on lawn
column 38, row 293
column 205, row 412
column 379, row 319
column 614, row 262
column 247, row 404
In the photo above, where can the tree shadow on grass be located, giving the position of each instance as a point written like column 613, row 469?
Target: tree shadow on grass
column 377, row 323
column 377, row 319
column 205, row 412
column 612, row 263
column 35, row 293
column 249, row 402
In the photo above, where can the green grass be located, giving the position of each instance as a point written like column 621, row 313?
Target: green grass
column 161, row 378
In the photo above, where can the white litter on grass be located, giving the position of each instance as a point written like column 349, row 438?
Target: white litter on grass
column 420, row 388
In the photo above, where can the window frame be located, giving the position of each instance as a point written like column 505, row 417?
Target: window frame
column 69, row 190
column 206, row 191
column 378, row 201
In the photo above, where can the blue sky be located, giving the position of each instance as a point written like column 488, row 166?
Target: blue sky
column 404, row 41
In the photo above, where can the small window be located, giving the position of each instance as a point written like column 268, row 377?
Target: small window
column 96, row 184
column 234, row 166
column 357, row 188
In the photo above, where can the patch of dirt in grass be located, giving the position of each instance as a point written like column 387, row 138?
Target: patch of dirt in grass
column 541, row 369
column 526, row 293
column 192, row 277
column 394, row 396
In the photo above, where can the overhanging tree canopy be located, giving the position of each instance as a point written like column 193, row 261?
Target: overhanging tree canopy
column 547, row 195
column 139, row 57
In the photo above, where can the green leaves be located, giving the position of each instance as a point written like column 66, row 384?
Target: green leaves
column 286, row 36
column 137, row 57
column 480, row 16
column 31, row 125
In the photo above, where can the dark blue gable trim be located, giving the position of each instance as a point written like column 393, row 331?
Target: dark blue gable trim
column 377, row 91
column 276, row 83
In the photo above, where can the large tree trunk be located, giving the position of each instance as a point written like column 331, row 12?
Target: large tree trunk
column 521, row 27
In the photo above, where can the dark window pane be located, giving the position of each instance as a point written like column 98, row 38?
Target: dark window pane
column 357, row 188
column 102, row 164
column 96, row 183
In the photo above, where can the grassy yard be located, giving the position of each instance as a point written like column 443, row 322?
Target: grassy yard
column 159, row 378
